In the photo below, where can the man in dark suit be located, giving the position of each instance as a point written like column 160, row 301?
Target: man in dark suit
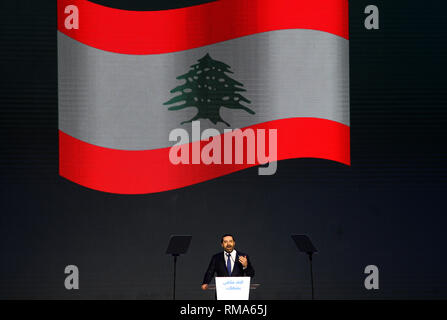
column 229, row 263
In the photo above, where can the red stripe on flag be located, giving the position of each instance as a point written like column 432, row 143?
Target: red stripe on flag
column 150, row 171
column 154, row 32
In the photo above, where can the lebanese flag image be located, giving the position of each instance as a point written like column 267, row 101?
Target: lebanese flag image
column 151, row 101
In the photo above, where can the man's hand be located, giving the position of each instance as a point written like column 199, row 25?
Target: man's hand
column 204, row 286
column 243, row 261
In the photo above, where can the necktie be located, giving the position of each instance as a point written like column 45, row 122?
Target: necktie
column 229, row 264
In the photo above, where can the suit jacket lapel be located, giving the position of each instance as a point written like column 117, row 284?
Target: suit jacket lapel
column 224, row 265
column 236, row 259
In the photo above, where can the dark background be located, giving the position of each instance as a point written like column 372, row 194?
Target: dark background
column 387, row 209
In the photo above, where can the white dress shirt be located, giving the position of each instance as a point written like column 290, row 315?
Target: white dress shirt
column 232, row 257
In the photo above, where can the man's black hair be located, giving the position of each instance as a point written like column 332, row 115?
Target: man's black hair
column 227, row 235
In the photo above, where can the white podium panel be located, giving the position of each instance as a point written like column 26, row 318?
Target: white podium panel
column 232, row 288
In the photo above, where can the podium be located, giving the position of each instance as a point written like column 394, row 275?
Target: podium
column 233, row 288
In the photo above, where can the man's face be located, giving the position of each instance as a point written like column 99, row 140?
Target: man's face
column 228, row 244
